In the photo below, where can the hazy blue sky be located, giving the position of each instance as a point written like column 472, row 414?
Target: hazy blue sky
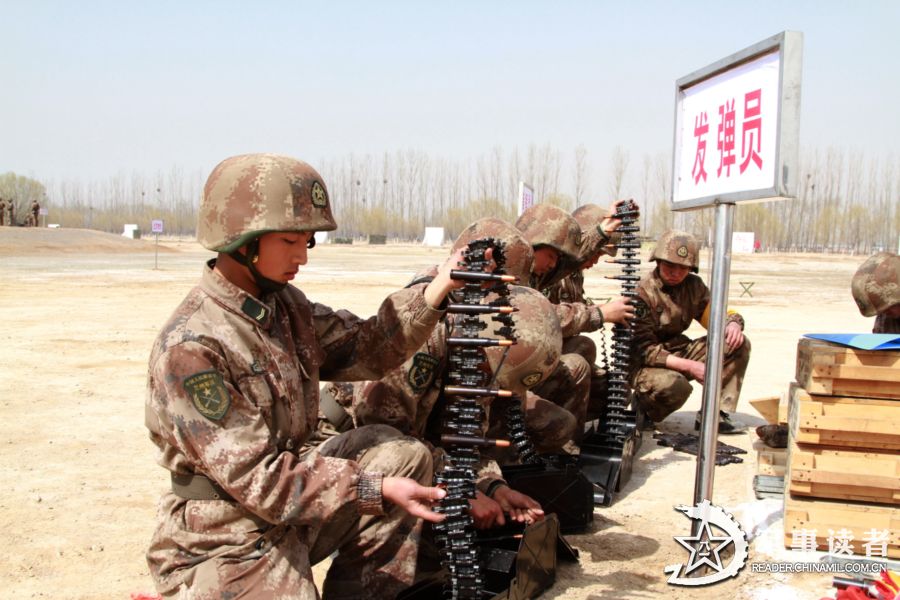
column 95, row 88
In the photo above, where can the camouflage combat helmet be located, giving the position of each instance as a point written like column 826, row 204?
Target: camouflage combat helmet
column 249, row 195
column 517, row 251
column 548, row 225
column 590, row 217
column 876, row 284
column 678, row 247
column 538, row 345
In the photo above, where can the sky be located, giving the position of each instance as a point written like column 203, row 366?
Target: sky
column 98, row 88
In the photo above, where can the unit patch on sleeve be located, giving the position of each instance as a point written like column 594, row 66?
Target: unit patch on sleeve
column 208, row 391
column 421, row 373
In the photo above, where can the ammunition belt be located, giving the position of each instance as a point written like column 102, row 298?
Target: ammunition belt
column 464, row 415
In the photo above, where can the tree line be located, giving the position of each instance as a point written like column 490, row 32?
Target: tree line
column 846, row 202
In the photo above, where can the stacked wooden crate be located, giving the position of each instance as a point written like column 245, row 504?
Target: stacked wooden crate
column 844, row 445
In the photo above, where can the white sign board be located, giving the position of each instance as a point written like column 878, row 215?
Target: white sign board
column 321, row 237
column 526, row 197
column 434, row 236
column 737, row 127
column 156, row 226
column 742, row 242
column 43, row 212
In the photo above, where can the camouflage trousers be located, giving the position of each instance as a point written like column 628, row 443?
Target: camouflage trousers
column 376, row 555
column 568, row 387
column 661, row 391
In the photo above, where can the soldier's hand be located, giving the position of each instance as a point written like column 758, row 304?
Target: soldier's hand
column 415, row 499
column 442, row 283
column 520, row 507
column 485, row 511
column 697, row 370
column 617, row 310
column 610, row 222
column 734, row 337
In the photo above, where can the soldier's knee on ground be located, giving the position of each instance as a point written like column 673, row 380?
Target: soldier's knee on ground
column 581, row 345
column 661, row 392
column 549, row 426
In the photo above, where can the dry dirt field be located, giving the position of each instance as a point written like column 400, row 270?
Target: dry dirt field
column 80, row 310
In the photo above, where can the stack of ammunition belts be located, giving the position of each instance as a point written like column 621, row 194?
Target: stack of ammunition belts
column 464, row 416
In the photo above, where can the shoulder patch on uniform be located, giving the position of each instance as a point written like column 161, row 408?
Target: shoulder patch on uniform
column 254, row 310
column 208, row 391
column 682, row 251
column 531, row 379
column 319, row 197
column 421, row 373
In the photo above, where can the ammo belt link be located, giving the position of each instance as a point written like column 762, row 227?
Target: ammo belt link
column 191, row 486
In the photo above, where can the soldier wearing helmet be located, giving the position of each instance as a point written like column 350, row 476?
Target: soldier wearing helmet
column 876, row 290
column 557, row 236
column 233, row 396
column 670, row 298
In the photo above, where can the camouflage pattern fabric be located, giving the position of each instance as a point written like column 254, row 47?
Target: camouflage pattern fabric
column 248, row 195
column 594, row 239
column 663, row 313
column 548, row 225
column 886, row 324
column 678, row 247
column 233, row 396
column 876, row 284
column 569, row 289
column 569, row 387
column 517, row 251
column 409, row 397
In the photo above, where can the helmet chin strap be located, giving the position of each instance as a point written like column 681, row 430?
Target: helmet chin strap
column 265, row 285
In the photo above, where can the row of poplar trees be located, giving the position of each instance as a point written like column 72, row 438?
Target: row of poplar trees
column 846, row 202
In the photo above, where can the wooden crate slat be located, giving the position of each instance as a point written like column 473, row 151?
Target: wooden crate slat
column 826, row 368
column 825, row 515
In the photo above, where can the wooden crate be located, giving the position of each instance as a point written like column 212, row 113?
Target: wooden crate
column 824, row 515
column 835, row 370
column 871, row 476
column 843, row 422
column 770, row 461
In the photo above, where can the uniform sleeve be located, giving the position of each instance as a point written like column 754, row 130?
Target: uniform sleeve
column 648, row 349
column 220, row 429
column 575, row 318
column 359, row 349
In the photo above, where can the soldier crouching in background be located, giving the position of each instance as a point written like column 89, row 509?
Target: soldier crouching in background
column 669, row 298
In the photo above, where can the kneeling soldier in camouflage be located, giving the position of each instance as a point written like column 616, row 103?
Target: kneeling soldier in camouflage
column 233, row 396
column 669, row 298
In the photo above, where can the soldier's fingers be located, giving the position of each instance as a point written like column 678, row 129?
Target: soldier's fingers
column 423, row 512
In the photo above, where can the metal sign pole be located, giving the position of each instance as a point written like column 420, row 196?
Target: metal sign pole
column 156, row 253
column 709, row 415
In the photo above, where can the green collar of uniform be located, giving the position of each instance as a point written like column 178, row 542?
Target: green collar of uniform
column 256, row 310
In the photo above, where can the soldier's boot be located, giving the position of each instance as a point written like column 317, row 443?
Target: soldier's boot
column 727, row 424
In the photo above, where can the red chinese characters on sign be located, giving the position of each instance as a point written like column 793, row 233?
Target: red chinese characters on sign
column 725, row 143
column 752, row 129
column 701, row 128
column 751, row 137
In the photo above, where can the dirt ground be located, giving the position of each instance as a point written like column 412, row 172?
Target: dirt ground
column 80, row 310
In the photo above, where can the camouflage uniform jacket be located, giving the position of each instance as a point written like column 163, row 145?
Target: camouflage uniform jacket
column 233, row 394
column 664, row 313
column 406, row 397
column 570, row 289
column 886, row 324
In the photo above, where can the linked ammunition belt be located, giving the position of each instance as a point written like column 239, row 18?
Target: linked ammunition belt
column 462, row 428
column 617, row 436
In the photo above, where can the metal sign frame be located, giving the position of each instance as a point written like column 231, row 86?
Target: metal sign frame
column 789, row 45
